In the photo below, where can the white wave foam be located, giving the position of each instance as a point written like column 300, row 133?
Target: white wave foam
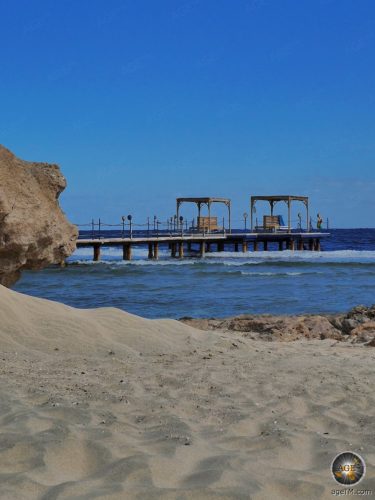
column 114, row 255
column 248, row 273
column 135, row 262
column 297, row 255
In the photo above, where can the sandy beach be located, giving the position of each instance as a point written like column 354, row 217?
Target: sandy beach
column 103, row 404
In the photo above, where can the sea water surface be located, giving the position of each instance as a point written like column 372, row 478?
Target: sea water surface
column 222, row 284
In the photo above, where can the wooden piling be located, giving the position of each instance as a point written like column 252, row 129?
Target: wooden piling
column 281, row 245
column 173, row 250
column 300, row 244
column 202, row 248
column 317, row 245
column 255, row 246
column 189, row 246
column 220, row 246
column 150, row 251
column 311, row 244
column 126, row 252
column 244, row 246
column 291, row 244
column 265, row 245
column 236, row 246
column 96, row 252
column 208, row 247
column 129, row 253
column 156, row 250
column 181, row 249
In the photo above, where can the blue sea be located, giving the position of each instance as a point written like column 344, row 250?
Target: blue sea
column 222, row 284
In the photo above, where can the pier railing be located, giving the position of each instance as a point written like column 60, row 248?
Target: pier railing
column 154, row 227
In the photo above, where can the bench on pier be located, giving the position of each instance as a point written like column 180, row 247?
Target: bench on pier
column 207, row 223
column 272, row 223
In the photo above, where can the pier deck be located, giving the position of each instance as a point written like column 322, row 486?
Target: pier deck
column 203, row 243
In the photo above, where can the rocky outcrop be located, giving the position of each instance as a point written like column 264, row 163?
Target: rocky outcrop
column 357, row 326
column 34, row 231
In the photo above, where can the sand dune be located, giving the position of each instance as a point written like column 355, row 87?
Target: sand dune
column 42, row 325
column 104, row 404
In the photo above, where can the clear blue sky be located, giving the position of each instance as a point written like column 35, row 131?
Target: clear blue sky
column 142, row 101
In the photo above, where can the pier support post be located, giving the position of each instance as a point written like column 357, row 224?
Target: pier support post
column 281, row 245
column 291, row 244
column 150, row 251
column 126, row 252
column 189, row 246
column 255, row 246
column 300, row 244
column 317, row 245
column 311, row 244
column 208, row 247
column 236, row 246
column 173, row 250
column 265, row 245
column 220, row 246
column 244, row 246
column 202, row 248
column 156, row 250
column 96, row 252
column 181, row 250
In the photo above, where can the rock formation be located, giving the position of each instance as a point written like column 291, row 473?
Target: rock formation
column 34, row 231
column 356, row 326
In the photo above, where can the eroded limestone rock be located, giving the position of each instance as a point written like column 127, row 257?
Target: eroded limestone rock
column 34, row 231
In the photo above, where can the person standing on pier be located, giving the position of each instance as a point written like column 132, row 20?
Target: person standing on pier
column 319, row 222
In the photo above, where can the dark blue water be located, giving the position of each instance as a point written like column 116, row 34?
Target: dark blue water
column 223, row 284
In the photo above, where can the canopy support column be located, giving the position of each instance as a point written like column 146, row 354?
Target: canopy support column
column 307, row 218
column 252, row 215
column 272, row 203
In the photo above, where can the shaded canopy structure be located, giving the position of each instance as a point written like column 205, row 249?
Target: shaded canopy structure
column 272, row 200
column 207, row 201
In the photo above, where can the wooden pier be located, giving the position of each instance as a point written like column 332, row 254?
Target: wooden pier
column 200, row 244
column 207, row 234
